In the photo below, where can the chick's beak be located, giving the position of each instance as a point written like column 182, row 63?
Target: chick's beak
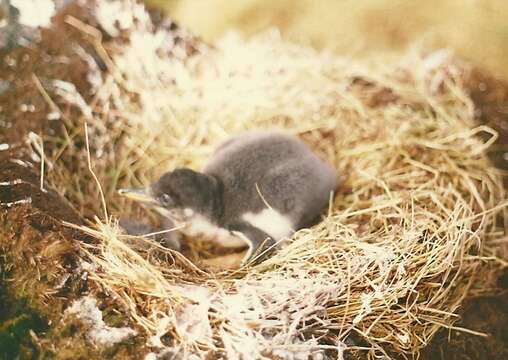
column 139, row 194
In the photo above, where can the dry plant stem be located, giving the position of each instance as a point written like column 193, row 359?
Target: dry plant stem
column 103, row 199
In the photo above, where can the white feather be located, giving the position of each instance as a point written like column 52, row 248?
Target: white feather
column 198, row 226
column 271, row 222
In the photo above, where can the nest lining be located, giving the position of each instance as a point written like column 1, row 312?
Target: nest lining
column 400, row 246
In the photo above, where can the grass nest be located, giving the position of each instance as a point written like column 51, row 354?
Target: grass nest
column 414, row 228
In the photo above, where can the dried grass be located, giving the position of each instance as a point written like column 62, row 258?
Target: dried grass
column 420, row 212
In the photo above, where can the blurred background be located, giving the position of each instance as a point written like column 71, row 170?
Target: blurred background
column 476, row 29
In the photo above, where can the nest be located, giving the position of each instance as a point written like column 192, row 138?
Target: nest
column 411, row 230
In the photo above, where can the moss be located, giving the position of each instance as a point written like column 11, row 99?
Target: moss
column 68, row 330
column 17, row 320
column 113, row 318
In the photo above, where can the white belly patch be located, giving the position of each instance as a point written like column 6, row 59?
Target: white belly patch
column 271, row 222
column 197, row 226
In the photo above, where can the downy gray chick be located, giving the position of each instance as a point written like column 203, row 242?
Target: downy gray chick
column 255, row 190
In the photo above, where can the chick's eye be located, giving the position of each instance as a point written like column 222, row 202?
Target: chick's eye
column 166, row 199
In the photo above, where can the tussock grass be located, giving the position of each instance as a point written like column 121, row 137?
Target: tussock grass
column 419, row 218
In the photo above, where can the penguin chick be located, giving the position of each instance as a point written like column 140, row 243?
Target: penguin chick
column 256, row 189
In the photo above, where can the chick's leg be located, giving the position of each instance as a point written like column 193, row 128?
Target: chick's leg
column 260, row 243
